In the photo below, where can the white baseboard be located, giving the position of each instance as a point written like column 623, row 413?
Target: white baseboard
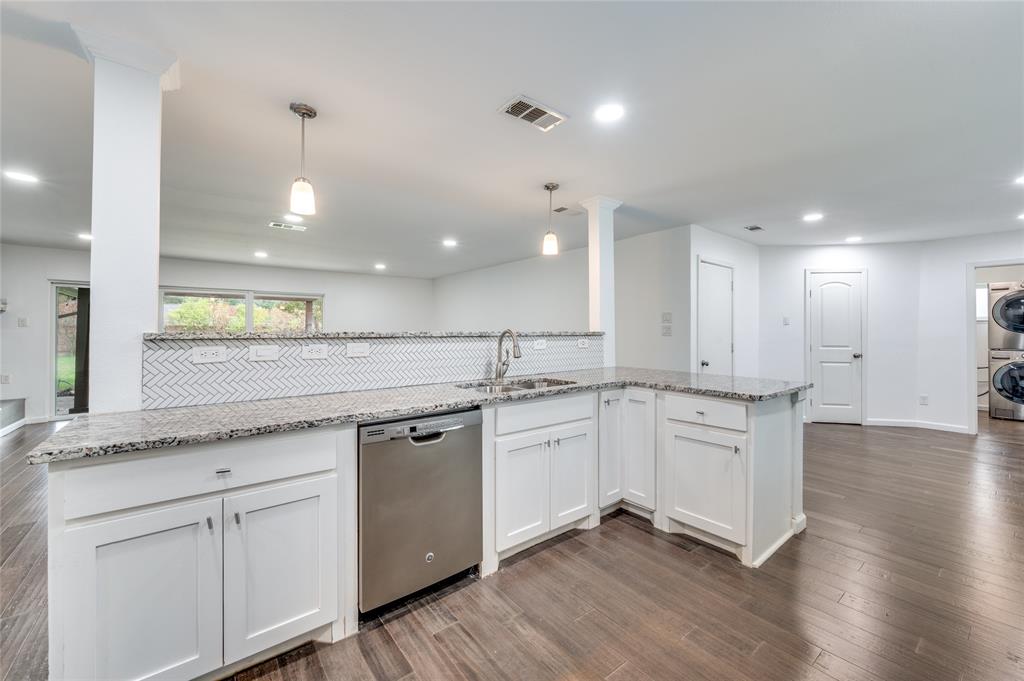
column 38, row 419
column 908, row 423
column 13, row 427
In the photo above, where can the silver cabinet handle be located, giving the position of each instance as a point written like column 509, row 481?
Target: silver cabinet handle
column 735, row 449
column 549, row 443
column 558, row 441
column 700, row 413
column 222, row 471
column 238, row 519
column 607, row 402
column 209, row 522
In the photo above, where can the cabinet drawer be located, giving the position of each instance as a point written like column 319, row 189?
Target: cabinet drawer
column 706, row 412
column 189, row 470
column 544, row 413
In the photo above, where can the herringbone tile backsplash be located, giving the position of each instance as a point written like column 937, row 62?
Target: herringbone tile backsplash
column 170, row 379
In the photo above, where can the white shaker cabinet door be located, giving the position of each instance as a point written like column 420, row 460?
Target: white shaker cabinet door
column 706, row 481
column 610, row 448
column 522, row 484
column 639, row 450
column 573, row 450
column 280, row 564
column 143, row 595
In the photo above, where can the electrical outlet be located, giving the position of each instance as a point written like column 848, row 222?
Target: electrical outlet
column 583, row 343
column 205, row 354
column 357, row 349
column 923, row 400
column 264, row 353
column 5, row 379
column 318, row 351
column 540, row 344
column 666, row 330
column 23, row 322
column 785, row 321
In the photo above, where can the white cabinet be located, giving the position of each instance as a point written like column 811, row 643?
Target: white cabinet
column 572, row 495
column 144, row 595
column 639, row 447
column 627, row 460
column 706, row 480
column 610, row 462
column 522, row 488
column 280, row 564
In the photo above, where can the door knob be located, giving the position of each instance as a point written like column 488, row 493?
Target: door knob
column 705, row 363
column 857, row 355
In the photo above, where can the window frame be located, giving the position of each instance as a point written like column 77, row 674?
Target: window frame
column 249, row 295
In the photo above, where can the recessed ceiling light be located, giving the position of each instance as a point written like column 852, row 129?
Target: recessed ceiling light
column 260, row 254
column 813, row 217
column 853, row 239
column 85, row 236
column 607, row 113
column 449, row 243
column 380, row 266
column 292, row 218
column 1021, row 216
column 1019, row 180
column 21, row 177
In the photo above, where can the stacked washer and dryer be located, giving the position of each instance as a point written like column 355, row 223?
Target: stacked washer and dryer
column 1006, row 350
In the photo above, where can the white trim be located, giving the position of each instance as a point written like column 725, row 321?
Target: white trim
column 910, row 423
column 10, row 428
column 695, row 364
column 808, row 271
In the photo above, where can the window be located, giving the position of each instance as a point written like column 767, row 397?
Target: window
column 229, row 312
column 981, row 302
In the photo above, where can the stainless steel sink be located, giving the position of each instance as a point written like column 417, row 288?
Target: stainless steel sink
column 515, row 386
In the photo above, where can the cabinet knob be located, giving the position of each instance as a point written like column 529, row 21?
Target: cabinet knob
column 607, row 402
column 209, row 522
column 735, row 449
column 857, row 355
column 705, row 363
column 558, row 440
column 238, row 519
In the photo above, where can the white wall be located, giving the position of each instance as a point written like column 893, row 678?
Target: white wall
column 537, row 294
column 917, row 338
column 352, row 302
column 745, row 259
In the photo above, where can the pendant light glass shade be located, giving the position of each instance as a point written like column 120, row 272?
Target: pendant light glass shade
column 550, row 243
column 303, row 201
column 550, row 246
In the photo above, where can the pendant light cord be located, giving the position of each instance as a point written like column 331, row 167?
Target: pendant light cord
column 302, row 147
column 551, row 193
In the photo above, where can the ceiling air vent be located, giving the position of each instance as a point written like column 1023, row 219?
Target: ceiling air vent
column 533, row 112
column 754, row 228
column 287, row 226
column 565, row 210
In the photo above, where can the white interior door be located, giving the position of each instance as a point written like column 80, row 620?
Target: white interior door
column 714, row 318
column 836, row 301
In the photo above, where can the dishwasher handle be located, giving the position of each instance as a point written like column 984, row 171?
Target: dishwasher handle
column 425, row 440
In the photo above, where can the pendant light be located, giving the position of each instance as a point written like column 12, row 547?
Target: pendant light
column 550, row 245
column 303, row 202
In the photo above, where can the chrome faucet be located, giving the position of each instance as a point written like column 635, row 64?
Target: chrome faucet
column 501, row 366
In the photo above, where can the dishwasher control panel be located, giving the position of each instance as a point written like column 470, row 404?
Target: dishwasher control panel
column 427, row 426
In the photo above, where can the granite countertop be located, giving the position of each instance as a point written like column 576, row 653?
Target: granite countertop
column 104, row 434
column 328, row 335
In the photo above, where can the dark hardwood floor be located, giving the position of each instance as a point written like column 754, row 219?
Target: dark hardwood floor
column 911, row 569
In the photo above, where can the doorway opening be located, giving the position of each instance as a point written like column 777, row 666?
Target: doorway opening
column 71, row 350
column 997, row 341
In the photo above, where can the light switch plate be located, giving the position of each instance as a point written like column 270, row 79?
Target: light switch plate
column 666, row 317
column 317, row 351
column 785, row 321
column 5, row 379
column 583, row 343
column 23, row 322
column 923, row 400
column 205, row 354
column 264, row 353
column 666, row 330
column 357, row 350
column 540, row 344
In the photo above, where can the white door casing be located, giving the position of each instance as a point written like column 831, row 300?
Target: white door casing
column 280, row 564
column 715, row 317
column 836, row 308
column 146, row 592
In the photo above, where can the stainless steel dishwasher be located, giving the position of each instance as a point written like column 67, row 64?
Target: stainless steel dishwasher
column 420, row 504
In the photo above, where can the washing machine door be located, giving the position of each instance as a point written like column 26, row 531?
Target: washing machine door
column 1008, row 381
column 1008, row 312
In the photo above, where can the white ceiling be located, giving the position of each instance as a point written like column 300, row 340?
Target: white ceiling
column 899, row 121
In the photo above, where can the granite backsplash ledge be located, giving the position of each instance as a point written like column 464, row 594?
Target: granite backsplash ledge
column 352, row 361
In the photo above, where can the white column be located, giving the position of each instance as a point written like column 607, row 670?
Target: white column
column 124, row 263
column 601, row 255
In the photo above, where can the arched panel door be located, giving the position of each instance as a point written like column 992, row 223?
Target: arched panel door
column 835, row 302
